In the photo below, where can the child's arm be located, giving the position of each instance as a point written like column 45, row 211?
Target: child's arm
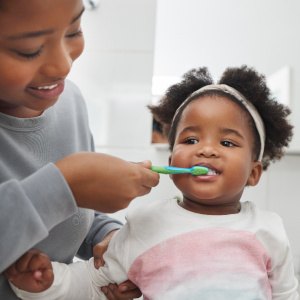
column 283, row 281
column 71, row 282
column 32, row 272
column 124, row 291
column 77, row 281
column 81, row 280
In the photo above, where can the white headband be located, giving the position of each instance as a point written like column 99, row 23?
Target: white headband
column 259, row 124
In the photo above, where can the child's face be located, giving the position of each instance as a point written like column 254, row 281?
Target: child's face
column 214, row 132
column 39, row 40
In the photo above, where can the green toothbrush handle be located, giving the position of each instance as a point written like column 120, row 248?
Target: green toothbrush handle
column 170, row 170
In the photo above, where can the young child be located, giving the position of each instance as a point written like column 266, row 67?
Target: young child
column 209, row 245
column 43, row 127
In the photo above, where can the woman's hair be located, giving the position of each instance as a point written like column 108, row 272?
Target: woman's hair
column 1, row 4
column 252, row 86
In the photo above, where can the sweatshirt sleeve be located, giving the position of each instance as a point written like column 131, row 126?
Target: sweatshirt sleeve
column 30, row 209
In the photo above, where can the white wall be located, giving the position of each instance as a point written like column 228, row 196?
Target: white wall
column 115, row 71
column 218, row 34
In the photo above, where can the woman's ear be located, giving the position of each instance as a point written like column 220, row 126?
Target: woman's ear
column 255, row 174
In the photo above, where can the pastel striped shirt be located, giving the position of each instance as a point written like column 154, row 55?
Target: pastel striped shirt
column 174, row 254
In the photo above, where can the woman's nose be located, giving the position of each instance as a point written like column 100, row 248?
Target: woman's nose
column 58, row 63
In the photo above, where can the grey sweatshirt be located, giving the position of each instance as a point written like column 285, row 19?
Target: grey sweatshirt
column 37, row 208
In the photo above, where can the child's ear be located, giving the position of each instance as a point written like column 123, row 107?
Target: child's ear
column 255, row 173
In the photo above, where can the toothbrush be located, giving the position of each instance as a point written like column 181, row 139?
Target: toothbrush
column 196, row 170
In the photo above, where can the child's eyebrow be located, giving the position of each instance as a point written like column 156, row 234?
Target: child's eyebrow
column 34, row 34
column 188, row 128
column 232, row 131
column 223, row 130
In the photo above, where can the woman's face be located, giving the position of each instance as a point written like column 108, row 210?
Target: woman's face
column 214, row 131
column 39, row 40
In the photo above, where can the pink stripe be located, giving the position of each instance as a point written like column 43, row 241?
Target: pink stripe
column 212, row 255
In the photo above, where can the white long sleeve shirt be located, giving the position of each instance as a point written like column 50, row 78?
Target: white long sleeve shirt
column 172, row 253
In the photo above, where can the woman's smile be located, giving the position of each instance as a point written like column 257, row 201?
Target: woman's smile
column 47, row 92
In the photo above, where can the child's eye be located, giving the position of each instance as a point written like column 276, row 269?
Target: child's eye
column 191, row 141
column 75, row 34
column 227, row 144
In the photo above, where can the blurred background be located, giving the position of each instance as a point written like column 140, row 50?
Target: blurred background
column 135, row 49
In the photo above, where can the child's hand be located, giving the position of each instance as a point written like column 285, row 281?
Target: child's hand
column 32, row 272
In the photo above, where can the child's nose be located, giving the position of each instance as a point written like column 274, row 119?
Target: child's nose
column 207, row 150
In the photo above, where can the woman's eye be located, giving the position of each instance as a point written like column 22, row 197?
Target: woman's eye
column 227, row 144
column 29, row 55
column 75, row 34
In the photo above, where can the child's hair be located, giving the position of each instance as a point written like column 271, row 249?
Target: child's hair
column 252, row 86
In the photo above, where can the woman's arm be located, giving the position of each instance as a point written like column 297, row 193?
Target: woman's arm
column 25, row 210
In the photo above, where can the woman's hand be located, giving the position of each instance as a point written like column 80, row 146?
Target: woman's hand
column 104, row 182
column 124, row 291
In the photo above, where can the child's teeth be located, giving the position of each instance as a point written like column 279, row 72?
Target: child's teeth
column 211, row 172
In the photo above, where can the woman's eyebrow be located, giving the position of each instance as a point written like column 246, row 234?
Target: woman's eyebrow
column 78, row 16
column 38, row 33
column 31, row 34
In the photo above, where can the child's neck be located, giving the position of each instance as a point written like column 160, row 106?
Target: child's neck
column 205, row 209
